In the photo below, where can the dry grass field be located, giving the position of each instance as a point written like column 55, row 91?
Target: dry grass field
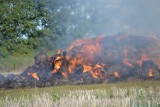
column 127, row 94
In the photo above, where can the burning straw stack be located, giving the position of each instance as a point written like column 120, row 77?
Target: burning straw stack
column 93, row 60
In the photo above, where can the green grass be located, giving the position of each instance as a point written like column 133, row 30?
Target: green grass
column 17, row 64
column 127, row 94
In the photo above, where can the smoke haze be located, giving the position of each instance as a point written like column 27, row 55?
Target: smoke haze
column 89, row 18
column 113, row 16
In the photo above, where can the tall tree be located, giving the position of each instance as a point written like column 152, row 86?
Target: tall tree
column 20, row 24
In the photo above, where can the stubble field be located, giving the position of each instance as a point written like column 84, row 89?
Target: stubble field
column 127, row 94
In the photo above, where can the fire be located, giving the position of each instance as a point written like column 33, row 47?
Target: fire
column 34, row 75
column 58, row 58
column 58, row 61
column 97, row 74
column 96, row 71
column 150, row 72
column 126, row 62
column 87, row 68
column 72, row 65
column 94, row 60
column 90, row 49
column 87, row 53
column 80, row 42
column 99, row 66
column 139, row 62
column 65, row 74
column 144, row 57
column 67, row 57
column 57, row 66
column 116, row 74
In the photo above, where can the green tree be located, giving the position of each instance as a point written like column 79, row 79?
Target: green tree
column 19, row 21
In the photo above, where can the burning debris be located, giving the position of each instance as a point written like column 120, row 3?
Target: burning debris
column 34, row 75
column 94, row 60
column 116, row 74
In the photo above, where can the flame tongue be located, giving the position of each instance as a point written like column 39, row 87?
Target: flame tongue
column 57, row 66
column 144, row 57
column 65, row 74
column 87, row 68
column 127, row 63
column 58, row 61
column 96, row 71
column 34, row 75
column 116, row 74
column 139, row 62
column 150, row 72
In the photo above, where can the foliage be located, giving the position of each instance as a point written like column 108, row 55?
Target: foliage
column 18, row 26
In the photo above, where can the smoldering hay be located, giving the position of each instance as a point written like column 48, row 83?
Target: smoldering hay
column 102, row 59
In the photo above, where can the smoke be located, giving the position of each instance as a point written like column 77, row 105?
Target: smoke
column 87, row 18
column 113, row 16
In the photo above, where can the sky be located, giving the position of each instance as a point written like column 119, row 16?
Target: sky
column 140, row 17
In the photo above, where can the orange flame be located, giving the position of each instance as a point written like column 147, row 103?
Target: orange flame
column 97, row 74
column 144, row 57
column 80, row 42
column 139, row 62
column 150, row 72
column 72, row 65
column 90, row 48
column 67, row 57
column 59, row 58
column 87, row 68
column 126, row 62
column 96, row 71
column 116, row 74
column 57, row 66
column 34, row 75
column 57, row 62
column 98, row 66
column 65, row 74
